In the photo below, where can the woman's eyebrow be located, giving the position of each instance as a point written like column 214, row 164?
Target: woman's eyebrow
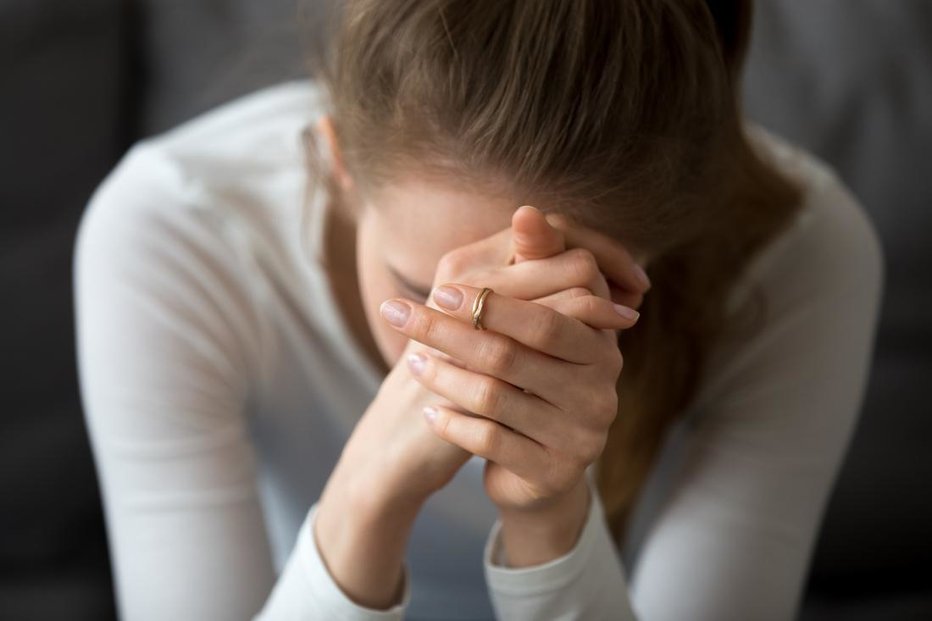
column 421, row 291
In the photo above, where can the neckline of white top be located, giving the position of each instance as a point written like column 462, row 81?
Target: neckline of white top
column 340, row 335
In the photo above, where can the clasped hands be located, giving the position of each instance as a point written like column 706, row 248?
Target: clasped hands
column 534, row 393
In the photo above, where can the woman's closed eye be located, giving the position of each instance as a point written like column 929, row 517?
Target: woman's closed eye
column 410, row 290
column 417, row 297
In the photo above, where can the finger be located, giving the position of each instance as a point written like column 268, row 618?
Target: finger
column 495, row 354
column 613, row 257
column 631, row 299
column 572, row 292
column 489, row 397
column 535, row 279
column 533, row 237
column 493, row 250
column 490, row 440
column 537, row 327
column 563, row 302
column 501, row 356
column 595, row 312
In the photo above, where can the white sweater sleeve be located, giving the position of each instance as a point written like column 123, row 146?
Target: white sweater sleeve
column 306, row 590
column 588, row 582
column 733, row 539
column 169, row 348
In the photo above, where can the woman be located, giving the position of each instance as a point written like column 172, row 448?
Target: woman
column 255, row 409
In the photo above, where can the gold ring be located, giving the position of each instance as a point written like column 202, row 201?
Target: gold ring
column 477, row 306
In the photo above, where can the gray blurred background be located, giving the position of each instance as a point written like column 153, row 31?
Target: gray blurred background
column 81, row 81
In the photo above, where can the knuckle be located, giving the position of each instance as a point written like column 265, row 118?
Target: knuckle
column 562, row 477
column 602, row 407
column 582, row 442
column 593, row 449
column 618, row 359
column 442, row 426
column 488, row 396
column 487, row 439
column 584, row 264
column 578, row 252
column 425, row 326
column 613, row 360
column 587, row 446
column 579, row 292
column 548, row 329
column 500, row 355
column 591, row 305
column 606, row 408
column 611, row 408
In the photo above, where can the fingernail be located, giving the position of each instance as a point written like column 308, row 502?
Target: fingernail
column 624, row 311
column 417, row 362
column 395, row 312
column 642, row 275
column 430, row 413
column 448, row 297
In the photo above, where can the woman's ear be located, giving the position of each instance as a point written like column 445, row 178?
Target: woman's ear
column 325, row 129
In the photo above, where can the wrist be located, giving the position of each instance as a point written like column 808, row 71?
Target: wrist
column 534, row 537
column 372, row 497
column 361, row 540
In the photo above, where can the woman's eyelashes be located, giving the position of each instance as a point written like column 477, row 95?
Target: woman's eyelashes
column 417, row 297
column 406, row 290
column 409, row 289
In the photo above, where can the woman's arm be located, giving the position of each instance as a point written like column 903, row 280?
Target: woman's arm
column 169, row 348
column 308, row 589
column 771, row 430
column 734, row 536
column 362, row 534
column 164, row 349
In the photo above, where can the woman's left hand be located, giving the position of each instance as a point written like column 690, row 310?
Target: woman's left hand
column 541, row 382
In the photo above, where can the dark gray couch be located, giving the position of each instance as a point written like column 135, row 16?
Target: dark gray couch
column 80, row 81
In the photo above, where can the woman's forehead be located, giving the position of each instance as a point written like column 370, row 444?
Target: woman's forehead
column 431, row 220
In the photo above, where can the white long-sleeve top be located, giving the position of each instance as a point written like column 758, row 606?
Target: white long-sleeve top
column 219, row 384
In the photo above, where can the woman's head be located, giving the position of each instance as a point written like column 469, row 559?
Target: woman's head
column 611, row 111
column 448, row 114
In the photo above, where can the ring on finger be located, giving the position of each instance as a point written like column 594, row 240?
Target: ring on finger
column 478, row 305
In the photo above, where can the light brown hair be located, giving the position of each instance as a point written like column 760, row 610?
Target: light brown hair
column 622, row 114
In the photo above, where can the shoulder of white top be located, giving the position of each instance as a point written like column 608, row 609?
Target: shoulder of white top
column 832, row 221
column 280, row 111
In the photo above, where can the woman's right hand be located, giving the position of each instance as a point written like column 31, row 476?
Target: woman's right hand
column 392, row 458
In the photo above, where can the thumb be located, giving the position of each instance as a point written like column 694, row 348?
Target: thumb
column 533, row 237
